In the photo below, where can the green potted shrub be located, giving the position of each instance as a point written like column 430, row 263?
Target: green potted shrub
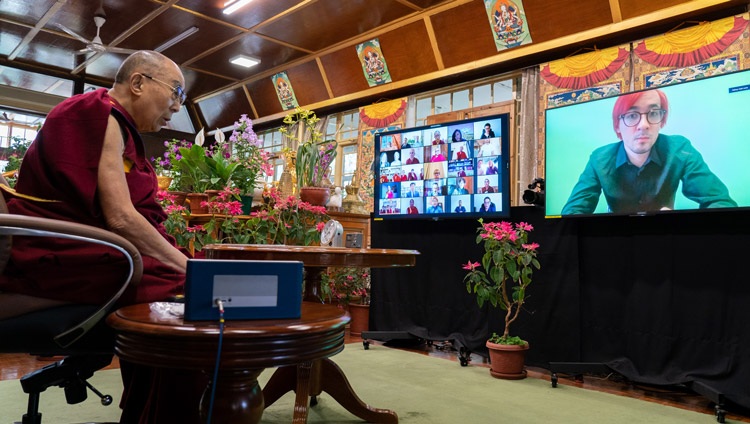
column 502, row 279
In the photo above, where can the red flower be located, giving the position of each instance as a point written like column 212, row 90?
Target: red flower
column 471, row 266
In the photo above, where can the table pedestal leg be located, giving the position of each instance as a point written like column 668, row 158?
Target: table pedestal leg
column 313, row 277
column 323, row 376
column 238, row 398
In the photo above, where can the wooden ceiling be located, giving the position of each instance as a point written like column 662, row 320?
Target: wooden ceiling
column 426, row 43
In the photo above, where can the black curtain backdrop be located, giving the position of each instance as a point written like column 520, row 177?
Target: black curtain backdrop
column 660, row 299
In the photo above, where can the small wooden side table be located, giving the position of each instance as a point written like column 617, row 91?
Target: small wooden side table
column 160, row 339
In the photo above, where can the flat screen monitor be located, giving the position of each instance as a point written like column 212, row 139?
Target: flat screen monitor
column 449, row 170
column 675, row 148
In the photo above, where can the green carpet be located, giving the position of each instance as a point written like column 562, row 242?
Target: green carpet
column 419, row 388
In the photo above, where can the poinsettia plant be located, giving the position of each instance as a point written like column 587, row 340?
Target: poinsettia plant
column 279, row 220
column 505, row 272
column 346, row 285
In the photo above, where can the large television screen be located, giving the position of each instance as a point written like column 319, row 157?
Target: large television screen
column 450, row 170
column 679, row 147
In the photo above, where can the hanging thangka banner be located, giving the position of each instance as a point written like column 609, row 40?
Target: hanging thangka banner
column 284, row 91
column 373, row 63
column 508, row 23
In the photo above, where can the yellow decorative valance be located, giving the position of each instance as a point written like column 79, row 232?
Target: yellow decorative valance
column 693, row 45
column 382, row 114
column 584, row 70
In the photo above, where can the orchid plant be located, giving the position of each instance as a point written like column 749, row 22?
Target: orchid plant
column 505, row 272
column 247, row 150
column 314, row 155
column 237, row 162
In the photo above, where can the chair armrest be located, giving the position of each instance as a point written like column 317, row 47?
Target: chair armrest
column 21, row 225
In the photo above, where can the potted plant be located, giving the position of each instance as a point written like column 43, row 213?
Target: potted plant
column 502, row 279
column 168, row 173
column 254, row 163
column 14, row 156
column 350, row 288
column 313, row 155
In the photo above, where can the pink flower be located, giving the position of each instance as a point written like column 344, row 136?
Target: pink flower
column 470, row 266
column 524, row 226
column 319, row 226
column 530, row 246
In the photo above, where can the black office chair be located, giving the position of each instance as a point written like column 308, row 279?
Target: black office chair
column 77, row 332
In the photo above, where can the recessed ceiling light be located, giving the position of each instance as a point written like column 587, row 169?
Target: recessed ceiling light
column 232, row 5
column 245, row 61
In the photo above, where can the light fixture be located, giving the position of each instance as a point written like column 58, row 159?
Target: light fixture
column 245, row 61
column 171, row 42
column 232, row 5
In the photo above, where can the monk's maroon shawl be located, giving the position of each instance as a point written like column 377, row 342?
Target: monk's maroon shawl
column 62, row 164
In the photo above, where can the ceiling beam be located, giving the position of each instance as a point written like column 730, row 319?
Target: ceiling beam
column 34, row 31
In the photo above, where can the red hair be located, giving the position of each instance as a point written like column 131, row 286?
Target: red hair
column 625, row 102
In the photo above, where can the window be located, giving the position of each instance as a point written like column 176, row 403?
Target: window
column 464, row 96
column 272, row 143
column 344, row 128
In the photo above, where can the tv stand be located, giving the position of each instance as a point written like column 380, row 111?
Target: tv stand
column 386, row 336
column 578, row 369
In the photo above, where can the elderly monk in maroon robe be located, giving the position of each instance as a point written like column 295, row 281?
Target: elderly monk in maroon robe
column 88, row 165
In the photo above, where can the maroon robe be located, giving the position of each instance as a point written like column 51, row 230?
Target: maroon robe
column 62, row 164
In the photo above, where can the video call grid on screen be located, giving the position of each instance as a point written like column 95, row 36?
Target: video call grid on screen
column 445, row 170
column 710, row 112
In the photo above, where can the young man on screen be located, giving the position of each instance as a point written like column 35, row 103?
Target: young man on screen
column 643, row 170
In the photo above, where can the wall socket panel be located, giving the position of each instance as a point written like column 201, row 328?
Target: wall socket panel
column 353, row 240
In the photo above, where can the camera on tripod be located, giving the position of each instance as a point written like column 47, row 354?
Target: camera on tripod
column 535, row 194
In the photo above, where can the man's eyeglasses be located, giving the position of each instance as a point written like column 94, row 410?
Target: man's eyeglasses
column 177, row 92
column 653, row 116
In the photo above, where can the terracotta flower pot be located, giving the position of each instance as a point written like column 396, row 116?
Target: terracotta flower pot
column 507, row 361
column 360, row 322
column 194, row 201
column 317, row 196
column 179, row 197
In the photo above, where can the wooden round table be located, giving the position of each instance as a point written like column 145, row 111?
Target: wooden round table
column 323, row 375
column 314, row 258
column 160, row 339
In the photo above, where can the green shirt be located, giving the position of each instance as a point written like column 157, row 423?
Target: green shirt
column 629, row 189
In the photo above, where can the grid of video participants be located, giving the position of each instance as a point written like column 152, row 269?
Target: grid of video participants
column 442, row 170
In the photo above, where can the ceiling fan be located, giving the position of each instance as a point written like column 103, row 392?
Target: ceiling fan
column 95, row 45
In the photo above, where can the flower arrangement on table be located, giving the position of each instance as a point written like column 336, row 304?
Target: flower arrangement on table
column 237, row 162
column 505, row 271
column 314, row 155
column 280, row 220
column 347, row 285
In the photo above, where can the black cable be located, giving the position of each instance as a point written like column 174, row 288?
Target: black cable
column 220, row 304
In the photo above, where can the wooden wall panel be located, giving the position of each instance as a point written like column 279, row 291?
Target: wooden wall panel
column 307, row 82
column 463, row 34
column 634, row 8
column 553, row 19
column 264, row 98
column 407, row 51
column 223, row 109
column 344, row 71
